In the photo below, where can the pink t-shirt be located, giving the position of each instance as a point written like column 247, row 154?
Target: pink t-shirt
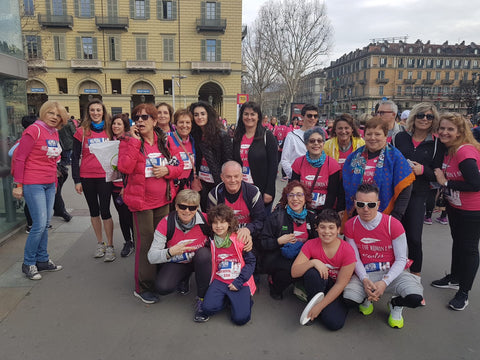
column 90, row 167
column 244, row 148
column 280, row 132
column 187, row 164
column 342, row 156
column 307, row 174
column 374, row 245
column 369, row 172
column 227, row 264
column 344, row 256
column 240, row 209
column 464, row 200
column 300, row 231
column 39, row 166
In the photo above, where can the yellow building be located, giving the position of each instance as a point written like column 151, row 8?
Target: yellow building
column 407, row 73
column 131, row 51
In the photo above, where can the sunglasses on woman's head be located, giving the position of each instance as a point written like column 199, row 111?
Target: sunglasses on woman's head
column 189, row 207
column 144, row 117
column 362, row 204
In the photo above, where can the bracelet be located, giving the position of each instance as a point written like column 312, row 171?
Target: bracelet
column 168, row 253
column 17, row 185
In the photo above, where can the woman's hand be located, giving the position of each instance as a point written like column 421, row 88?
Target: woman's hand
column 417, row 168
column 17, row 193
column 232, row 288
column 181, row 247
column 287, row 238
column 134, row 132
column 160, row 171
column 79, row 188
column 321, row 268
column 441, row 179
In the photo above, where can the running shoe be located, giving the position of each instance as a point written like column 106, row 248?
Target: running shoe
column 109, row 254
column 427, row 220
column 395, row 319
column 447, row 282
column 100, row 250
column 442, row 220
column 48, row 266
column 200, row 315
column 366, row 308
column 31, row 272
column 459, row 302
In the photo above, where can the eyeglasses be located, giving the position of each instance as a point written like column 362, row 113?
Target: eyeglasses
column 381, row 113
column 420, row 116
column 315, row 116
column 315, row 141
column 362, row 204
column 189, row 207
column 293, row 195
column 144, row 117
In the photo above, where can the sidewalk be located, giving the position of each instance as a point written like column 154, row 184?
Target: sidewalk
column 88, row 311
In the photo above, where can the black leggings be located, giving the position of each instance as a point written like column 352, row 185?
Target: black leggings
column 170, row 274
column 465, row 230
column 124, row 217
column 97, row 193
column 413, row 224
column 280, row 268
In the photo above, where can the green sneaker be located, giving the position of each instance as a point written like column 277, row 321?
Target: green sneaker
column 395, row 319
column 366, row 308
column 299, row 292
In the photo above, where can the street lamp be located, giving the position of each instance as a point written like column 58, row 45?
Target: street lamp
column 173, row 87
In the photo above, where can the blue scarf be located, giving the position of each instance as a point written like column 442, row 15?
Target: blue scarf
column 99, row 126
column 318, row 162
column 297, row 216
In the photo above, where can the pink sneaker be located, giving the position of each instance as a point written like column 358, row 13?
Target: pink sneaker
column 427, row 220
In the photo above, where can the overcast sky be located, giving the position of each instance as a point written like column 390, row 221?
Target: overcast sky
column 356, row 22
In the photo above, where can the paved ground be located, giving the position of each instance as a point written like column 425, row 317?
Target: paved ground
column 87, row 311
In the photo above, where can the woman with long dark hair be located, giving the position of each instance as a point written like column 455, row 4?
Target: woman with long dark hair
column 213, row 147
column 256, row 149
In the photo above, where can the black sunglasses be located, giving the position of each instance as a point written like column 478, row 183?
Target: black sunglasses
column 362, row 204
column 189, row 207
column 144, row 117
column 315, row 116
column 420, row 116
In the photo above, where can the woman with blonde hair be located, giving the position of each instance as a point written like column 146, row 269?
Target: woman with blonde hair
column 35, row 176
column 460, row 180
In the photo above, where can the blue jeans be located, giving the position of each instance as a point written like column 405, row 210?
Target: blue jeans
column 39, row 199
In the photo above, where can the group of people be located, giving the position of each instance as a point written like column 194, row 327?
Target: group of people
column 192, row 200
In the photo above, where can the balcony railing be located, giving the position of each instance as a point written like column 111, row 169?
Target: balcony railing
column 86, row 64
column 48, row 20
column 140, row 65
column 362, row 82
column 409, row 81
column 211, row 66
column 382, row 81
column 428, row 82
column 37, row 63
column 211, row 24
column 446, row 82
column 111, row 22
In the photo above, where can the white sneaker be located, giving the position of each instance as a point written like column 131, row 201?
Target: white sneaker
column 100, row 250
column 109, row 254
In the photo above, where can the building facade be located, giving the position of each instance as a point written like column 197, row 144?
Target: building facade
column 407, row 73
column 131, row 51
column 311, row 89
column 13, row 106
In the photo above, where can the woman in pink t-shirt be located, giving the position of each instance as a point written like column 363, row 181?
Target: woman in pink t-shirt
column 460, row 181
column 35, row 176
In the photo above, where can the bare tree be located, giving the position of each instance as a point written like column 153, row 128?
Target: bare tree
column 260, row 73
column 294, row 37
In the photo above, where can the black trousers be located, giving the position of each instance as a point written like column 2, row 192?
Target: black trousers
column 413, row 223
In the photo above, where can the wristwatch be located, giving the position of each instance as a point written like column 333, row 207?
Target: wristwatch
column 17, row 185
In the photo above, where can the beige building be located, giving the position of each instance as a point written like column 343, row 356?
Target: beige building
column 131, row 51
column 407, row 73
column 311, row 89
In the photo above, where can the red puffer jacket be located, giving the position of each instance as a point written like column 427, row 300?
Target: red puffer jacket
column 132, row 162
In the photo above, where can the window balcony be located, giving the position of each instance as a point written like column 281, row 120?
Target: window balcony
column 409, row 81
column 362, row 82
column 60, row 21
column 140, row 65
column 428, row 82
column 111, row 22
column 211, row 25
column 382, row 81
column 86, row 64
column 211, row 66
column 446, row 82
column 36, row 63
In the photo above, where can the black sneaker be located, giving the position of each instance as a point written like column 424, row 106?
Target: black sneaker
column 200, row 315
column 447, row 282
column 128, row 249
column 48, row 266
column 183, row 287
column 31, row 272
column 66, row 216
column 28, row 228
column 147, row 297
column 459, row 302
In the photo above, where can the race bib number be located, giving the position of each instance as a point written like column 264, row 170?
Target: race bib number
column 229, row 270
column 247, row 175
column 318, row 199
column 205, row 175
column 187, row 164
column 152, row 161
column 53, row 148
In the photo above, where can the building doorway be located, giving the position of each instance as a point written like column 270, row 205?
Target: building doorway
column 213, row 94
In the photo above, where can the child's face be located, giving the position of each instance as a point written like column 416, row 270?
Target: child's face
column 328, row 232
column 220, row 227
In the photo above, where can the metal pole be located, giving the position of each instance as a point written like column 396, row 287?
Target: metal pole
column 173, row 92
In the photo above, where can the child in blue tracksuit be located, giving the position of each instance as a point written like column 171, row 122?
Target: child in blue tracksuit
column 232, row 268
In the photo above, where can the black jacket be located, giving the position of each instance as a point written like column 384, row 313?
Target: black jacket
column 280, row 223
column 215, row 155
column 263, row 161
column 429, row 153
